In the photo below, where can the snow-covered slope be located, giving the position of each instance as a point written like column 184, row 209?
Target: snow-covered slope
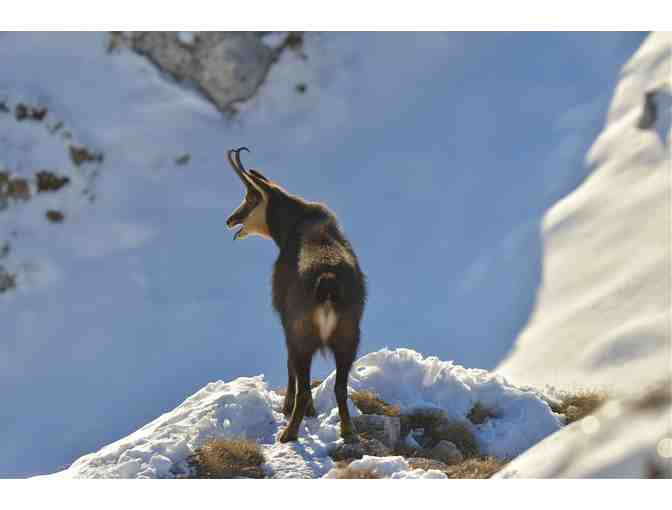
column 603, row 312
column 623, row 439
column 246, row 408
column 602, row 316
column 140, row 285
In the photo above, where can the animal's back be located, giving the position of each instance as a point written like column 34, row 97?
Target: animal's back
column 317, row 281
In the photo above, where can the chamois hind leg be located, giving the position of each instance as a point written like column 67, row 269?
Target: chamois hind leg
column 301, row 366
column 344, row 361
column 288, row 406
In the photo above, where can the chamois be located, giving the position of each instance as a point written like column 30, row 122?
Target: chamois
column 318, row 287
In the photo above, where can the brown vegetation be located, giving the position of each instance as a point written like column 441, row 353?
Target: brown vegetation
column 13, row 187
column 49, row 181
column 55, row 216
column 437, row 428
column 80, row 155
column 228, row 458
column 480, row 414
column 579, row 404
column 370, row 403
column 477, row 467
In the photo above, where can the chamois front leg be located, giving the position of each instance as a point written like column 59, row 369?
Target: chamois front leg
column 301, row 365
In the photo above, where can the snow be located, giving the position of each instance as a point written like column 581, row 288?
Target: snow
column 139, row 297
column 389, row 467
column 602, row 316
column 247, row 408
column 602, row 319
column 619, row 441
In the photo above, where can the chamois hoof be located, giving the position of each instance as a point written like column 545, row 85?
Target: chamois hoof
column 288, row 436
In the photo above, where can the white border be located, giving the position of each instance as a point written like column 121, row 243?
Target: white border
column 335, row 15
column 335, row 494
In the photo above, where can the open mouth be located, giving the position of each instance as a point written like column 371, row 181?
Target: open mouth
column 238, row 233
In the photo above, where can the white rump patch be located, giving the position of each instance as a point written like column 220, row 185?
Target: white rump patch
column 325, row 319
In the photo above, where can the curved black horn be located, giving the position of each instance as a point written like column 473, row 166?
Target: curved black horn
column 237, row 166
column 237, row 151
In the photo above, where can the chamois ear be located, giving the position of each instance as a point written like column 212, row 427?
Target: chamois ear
column 260, row 181
column 258, row 175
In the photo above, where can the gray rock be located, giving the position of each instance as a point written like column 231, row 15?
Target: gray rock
column 446, row 452
column 386, row 429
column 226, row 66
column 365, row 446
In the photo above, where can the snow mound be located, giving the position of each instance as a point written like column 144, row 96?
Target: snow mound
column 247, row 408
column 404, row 377
column 619, row 441
column 602, row 316
column 603, row 312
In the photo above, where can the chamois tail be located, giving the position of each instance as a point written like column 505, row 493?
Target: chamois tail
column 327, row 294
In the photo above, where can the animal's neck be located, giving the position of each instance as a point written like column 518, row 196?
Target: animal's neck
column 284, row 214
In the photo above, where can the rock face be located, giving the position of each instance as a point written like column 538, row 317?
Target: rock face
column 386, row 429
column 226, row 66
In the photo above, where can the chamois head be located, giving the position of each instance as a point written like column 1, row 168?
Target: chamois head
column 251, row 213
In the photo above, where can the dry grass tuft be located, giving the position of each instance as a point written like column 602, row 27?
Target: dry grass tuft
column 228, row 458
column 80, row 155
column 55, row 216
column 370, row 403
column 437, row 428
column 16, row 188
column 458, row 434
column 479, row 414
column 477, row 467
column 577, row 405
column 49, row 181
column 426, row 464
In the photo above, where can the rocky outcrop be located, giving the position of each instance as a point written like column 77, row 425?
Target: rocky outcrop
column 227, row 67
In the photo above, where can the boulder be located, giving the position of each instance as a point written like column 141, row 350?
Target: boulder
column 446, row 452
column 386, row 429
column 365, row 446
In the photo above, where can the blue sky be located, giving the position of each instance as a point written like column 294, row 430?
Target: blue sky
column 438, row 152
